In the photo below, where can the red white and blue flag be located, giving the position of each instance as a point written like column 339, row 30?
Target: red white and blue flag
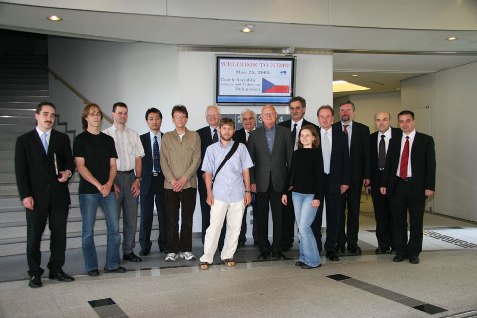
column 275, row 85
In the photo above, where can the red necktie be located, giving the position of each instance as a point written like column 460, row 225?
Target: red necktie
column 345, row 129
column 404, row 160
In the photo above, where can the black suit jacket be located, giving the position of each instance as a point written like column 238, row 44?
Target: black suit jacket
column 373, row 146
column 147, row 163
column 35, row 170
column 240, row 136
column 276, row 163
column 359, row 153
column 423, row 165
column 339, row 162
column 205, row 141
column 288, row 124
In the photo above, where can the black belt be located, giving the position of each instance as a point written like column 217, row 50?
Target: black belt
column 125, row 172
column 155, row 174
column 405, row 179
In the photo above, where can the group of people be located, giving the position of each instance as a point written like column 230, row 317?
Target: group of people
column 293, row 168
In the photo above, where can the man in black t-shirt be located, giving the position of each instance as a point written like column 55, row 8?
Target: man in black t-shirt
column 95, row 157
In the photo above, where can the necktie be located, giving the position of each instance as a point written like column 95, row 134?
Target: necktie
column 44, row 142
column 155, row 155
column 404, row 160
column 381, row 153
column 345, row 129
column 247, row 134
column 215, row 137
column 326, row 149
column 293, row 134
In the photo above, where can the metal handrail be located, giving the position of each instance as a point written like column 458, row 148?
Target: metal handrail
column 75, row 91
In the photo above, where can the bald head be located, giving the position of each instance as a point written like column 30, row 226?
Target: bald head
column 382, row 121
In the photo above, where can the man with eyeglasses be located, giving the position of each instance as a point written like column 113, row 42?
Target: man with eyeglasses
column 180, row 158
column 43, row 166
column 270, row 148
column 95, row 157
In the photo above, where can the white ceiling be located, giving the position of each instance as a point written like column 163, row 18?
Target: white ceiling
column 380, row 56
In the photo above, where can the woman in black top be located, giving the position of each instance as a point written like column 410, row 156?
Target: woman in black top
column 306, row 181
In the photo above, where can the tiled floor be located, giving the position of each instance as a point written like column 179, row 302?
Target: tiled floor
column 442, row 285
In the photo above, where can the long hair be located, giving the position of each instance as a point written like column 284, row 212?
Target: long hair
column 313, row 131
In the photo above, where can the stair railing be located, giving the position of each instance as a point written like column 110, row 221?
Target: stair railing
column 74, row 91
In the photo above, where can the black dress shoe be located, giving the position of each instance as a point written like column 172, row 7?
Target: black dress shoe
column 413, row 259
column 132, row 258
column 355, row 250
column 120, row 269
column 340, row 250
column 35, row 282
column 93, row 272
column 380, row 251
column 399, row 258
column 263, row 256
column 144, row 253
column 332, row 257
column 299, row 263
column 305, row 266
column 61, row 276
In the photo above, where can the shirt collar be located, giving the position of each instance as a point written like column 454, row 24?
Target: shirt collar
column 40, row 132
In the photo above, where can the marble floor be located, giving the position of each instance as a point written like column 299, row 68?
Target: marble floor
column 444, row 284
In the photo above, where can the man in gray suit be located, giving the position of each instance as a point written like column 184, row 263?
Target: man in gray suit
column 270, row 148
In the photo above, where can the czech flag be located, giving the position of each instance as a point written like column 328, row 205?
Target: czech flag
column 275, row 85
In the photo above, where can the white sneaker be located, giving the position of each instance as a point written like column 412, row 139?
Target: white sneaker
column 188, row 256
column 171, row 257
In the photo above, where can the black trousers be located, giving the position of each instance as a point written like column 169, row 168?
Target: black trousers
column 350, row 201
column 204, row 207
column 265, row 200
column 155, row 195
column 333, row 208
column 288, row 223
column 403, row 200
column 36, row 223
column 185, row 201
column 382, row 214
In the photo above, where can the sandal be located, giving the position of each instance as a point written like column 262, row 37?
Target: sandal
column 229, row 262
column 204, row 266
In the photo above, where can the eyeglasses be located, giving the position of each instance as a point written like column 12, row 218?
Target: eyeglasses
column 96, row 114
column 268, row 114
column 180, row 116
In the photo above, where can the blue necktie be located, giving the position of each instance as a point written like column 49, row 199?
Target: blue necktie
column 44, row 142
column 155, row 155
column 215, row 137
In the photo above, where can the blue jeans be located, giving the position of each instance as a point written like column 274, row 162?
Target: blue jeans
column 89, row 206
column 305, row 215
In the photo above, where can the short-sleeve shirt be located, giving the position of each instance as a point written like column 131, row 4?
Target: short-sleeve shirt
column 97, row 151
column 228, row 185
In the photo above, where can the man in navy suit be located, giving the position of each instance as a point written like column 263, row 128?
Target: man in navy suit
column 270, row 148
column 358, row 141
column 379, row 144
column 208, row 135
column 336, row 179
column 409, row 178
column 152, row 184
column 297, row 106
column 43, row 165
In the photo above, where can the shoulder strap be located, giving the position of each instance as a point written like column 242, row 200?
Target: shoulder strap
column 227, row 157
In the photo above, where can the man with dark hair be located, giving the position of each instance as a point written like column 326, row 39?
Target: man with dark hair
column 43, row 167
column 95, row 157
column 152, row 184
column 180, row 158
column 358, row 141
column 409, row 178
column 297, row 107
column 270, row 148
column 379, row 145
column 336, row 179
column 228, row 192
column 208, row 135
column 127, row 183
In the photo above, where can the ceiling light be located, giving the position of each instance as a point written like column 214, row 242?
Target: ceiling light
column 344, row 86
column 54, row 18
column 247, row 28
column 354, row 75
column 452, row 38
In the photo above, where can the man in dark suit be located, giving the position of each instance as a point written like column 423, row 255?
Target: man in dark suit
column 336, row 179
column 409, row 178
column 270, row 148
column 358, row 141
column 297, row 106
column 248, row 119
column 43, row 166
column 379, row 144
column 152, row 184
column 208, row 135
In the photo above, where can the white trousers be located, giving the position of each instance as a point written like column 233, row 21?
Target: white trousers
column 218, row 211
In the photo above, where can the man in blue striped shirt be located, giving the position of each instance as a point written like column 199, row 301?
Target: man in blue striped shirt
column 228, row 195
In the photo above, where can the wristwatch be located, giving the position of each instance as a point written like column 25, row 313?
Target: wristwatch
column 139, row 178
